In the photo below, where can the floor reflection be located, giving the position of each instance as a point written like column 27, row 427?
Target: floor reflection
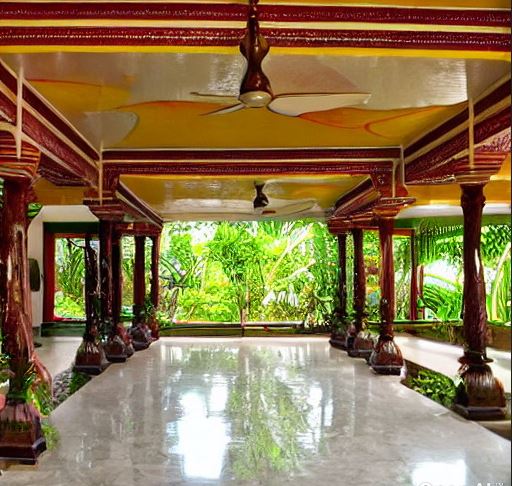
column 259, row 412
column 251, row 409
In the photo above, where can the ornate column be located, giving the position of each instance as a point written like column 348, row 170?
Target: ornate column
column 413, row 294
column 117, row 276
column 155, row 285
column 360, row 344
column 118, row 346
column 21, row 436
column 480, row 395
column 90, row 356
column 386, row 357
column 139, row 331
column 339, row 325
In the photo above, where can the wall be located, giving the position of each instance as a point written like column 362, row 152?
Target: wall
column 54, row 214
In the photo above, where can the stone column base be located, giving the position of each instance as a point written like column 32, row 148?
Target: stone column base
column 90, row 358
column 386, row 358
column 363, row 346
column 480, row 396
column 21, row 437
column 116, row 350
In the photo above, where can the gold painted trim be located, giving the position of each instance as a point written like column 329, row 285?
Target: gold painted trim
column 223, row 24
column 313, row 51
column 440, row 4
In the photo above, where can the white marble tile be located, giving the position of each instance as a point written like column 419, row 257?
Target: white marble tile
column 259, row 412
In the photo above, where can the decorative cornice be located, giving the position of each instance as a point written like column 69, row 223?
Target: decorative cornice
column 48, row 131
column 249, row 162
column 501, row 92
column 57, row 174
column 137, row 229
column 138, row 208
column 150, row 37
column 13, row 167
column 250, row 155
column 238, row 12
column 440, row 162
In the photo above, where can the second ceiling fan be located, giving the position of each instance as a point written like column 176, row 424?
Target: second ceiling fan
column 256, row 92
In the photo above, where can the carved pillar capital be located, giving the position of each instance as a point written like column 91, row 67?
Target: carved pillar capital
column 13, row 167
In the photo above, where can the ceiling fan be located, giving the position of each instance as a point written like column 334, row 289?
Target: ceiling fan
column 277, row 207
column 255, row 90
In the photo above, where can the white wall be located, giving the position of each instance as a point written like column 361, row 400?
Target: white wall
column 53, row 214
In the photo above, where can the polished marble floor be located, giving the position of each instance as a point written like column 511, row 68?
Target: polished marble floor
column 192, row 411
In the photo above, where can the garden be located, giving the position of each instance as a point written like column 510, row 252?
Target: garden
column 286, row 272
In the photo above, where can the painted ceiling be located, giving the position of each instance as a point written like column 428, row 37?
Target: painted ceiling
column 152, row 100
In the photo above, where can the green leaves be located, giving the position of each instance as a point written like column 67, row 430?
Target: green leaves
column 434, row 385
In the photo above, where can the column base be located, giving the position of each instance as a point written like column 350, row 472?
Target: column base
column 386, row 358
column 480, row 396
column 90, row 358
column 480, row 413
column 363, row 346
column 116, row 350
column 141, row 337
column 21, row 437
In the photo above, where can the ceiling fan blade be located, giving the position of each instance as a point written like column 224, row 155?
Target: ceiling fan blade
column 288, row 209
column 226, row 110
column 297, row 104
column 216, row 98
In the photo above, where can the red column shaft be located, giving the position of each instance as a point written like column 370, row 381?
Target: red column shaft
column 387, row 276
column 139, row 281
column 475, row 314
column 105, row 236
column 117, row 277
column 342, row 274
column 359, row 279
column 155, row 261
column 49, row 276
column 413, row 296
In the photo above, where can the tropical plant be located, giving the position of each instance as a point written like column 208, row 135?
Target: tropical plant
column 444, row 299
column 240, row 255
column 436, row 386
column 499, row 298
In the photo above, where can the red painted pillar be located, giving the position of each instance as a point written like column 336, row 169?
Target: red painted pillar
column 20, row 426
column 139, row 280
column 413, row 295
column 155, row 285
column 105, row 235
column 342, row 274
column 117, row 277
column 49, row 276
column 359, row 280
column 90, row 356
column 479, row 396
column 386, row 357
column 118, row 347
column 361, row 344
column 140, row 331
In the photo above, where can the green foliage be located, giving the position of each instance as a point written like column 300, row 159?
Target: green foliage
column 239, row 254
column 70, row 274
column 78, row 380
column 51, row 434
column 267, row 422
column 443, row 299
column 498, row 302
column 21, row 381
column 41, row 397
column 434, row 385
column 65, row 306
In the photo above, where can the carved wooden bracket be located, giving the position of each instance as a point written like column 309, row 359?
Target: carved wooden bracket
column 389, row 207
column 13, row 167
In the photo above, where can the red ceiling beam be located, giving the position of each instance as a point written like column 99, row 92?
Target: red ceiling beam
column 238, row 12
